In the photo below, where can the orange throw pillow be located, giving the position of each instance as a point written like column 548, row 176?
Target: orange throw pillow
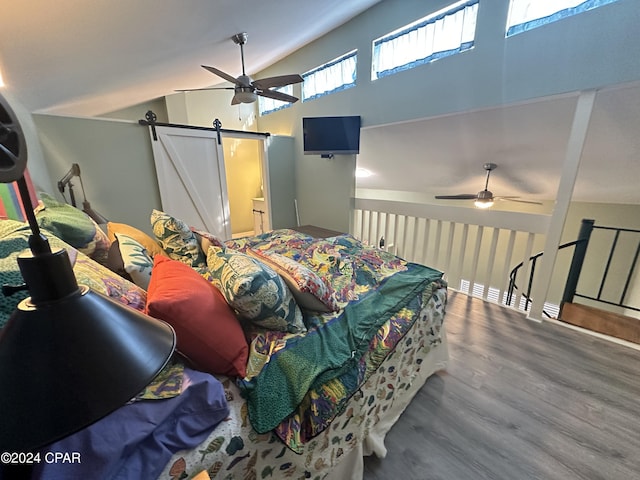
column 207, row 331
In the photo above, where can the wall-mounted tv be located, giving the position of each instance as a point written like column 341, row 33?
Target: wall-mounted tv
column 331, row 135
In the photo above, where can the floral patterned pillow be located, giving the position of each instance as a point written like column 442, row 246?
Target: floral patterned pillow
column 135, row 259
column 177, row 239
column 206, row 239
column 98, row 249
column 254, row 291
column 309, row 290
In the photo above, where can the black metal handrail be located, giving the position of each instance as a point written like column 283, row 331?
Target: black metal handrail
column 575, row 269
column 569, row 294
column 514, row 273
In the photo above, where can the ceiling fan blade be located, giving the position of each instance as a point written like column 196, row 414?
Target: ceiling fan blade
column 277, row 96
column 460, row 196
column 515, row 199
column 220, row 73
column 279, row 81
column 204, row 88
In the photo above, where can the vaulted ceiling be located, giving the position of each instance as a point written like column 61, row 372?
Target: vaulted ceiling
column 91, row 57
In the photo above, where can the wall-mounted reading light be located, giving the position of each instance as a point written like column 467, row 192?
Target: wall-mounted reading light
column 65, row 182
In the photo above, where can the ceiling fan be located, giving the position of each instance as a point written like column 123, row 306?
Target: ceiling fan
column 246, row 89
column 484, row 198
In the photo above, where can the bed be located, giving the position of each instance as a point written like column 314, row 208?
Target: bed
column 310, row 385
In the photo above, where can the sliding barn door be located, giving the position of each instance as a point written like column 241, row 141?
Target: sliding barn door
column 191, row 178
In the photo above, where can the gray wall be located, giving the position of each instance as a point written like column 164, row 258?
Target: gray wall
column 115, row 161
column 590, row 50
column 282, row 181
column 118, row 171
column 138, row 112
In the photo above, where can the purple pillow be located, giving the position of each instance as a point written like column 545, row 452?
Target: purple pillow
column 138, row 440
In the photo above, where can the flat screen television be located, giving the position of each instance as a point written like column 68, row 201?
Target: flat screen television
column 331, row 135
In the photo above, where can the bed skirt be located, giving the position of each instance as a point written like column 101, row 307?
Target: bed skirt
column 352, row 465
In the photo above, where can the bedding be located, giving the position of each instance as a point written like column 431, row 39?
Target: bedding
column 234, row 450
column 256, row 292
column 312, row 404
column 148, row 433
column 304, row 402
column 207, row 331
column 14, row 238
column 373, row 286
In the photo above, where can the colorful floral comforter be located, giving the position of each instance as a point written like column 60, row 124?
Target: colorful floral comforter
column 234, row 450
column 297, row 384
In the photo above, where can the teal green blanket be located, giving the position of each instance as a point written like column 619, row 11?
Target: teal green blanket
column 329, row 350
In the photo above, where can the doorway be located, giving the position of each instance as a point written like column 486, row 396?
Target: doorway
column 210, row 179
column 245, row 173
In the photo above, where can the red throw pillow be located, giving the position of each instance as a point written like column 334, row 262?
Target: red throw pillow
column 207, row 331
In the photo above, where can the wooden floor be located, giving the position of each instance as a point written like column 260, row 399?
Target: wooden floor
column 597, row 320
column 519, row 400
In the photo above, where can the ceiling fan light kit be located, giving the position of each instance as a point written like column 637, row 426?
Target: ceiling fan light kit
column 247, row 90
column 244, row 95
column 484, row 198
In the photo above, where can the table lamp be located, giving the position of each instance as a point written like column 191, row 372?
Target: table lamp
column 68, row 355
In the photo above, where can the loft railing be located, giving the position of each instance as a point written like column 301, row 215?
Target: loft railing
column 475, row 249
column 527, row 293
column 577, row 262
column 617, row 254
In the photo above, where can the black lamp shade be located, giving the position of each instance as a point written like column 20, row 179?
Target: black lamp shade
column 68, row 362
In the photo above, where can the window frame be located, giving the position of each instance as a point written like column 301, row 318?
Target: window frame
column 278, row 104
column 342, row 59
column 515, row 29
column 436, row 21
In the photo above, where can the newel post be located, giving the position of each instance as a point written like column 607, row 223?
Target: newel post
column 576, row 262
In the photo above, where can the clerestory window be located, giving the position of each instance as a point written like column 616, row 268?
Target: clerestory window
column 333, row 76
column 527, row 14
column 441, row 34
column 268, row 105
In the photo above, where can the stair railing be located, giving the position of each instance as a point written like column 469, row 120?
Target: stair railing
column 514, row 274
column 577, row 261
column 574, row 274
